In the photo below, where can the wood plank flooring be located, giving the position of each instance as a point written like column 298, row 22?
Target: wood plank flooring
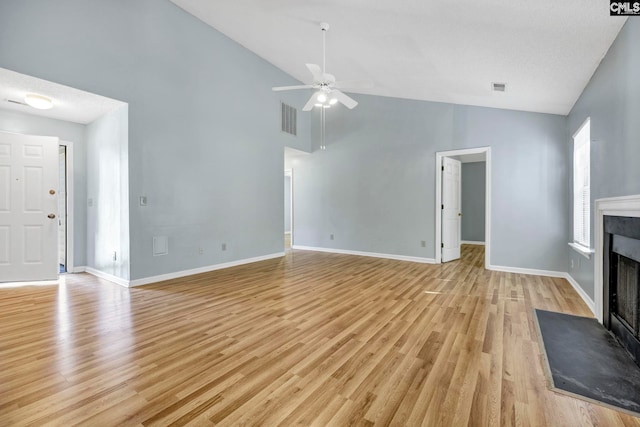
column 309, row 339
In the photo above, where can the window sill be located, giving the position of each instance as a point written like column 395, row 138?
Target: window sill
column 582, row 250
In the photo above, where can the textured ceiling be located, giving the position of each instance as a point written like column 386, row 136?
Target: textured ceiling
column 446, row 51
column 69, row 104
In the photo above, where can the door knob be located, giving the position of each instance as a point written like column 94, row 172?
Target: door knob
column 51, row 216
column 459, row 214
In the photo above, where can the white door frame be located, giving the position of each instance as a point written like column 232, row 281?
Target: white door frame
column 289, row 173
column 487, row 204
column 69, row 180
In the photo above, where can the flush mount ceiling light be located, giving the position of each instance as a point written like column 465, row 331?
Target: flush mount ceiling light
column 40, row 102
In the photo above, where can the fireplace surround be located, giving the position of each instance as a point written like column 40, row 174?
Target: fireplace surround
column 621, row 281
column 627, row 206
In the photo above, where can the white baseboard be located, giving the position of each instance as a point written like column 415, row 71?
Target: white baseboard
column 368, row 254
column 110, row 277
column 586, row 298
column 562, row 274
column 471, row 242
column 531, row 271
column 6, row 285
column 183, row 273
column 78, row 269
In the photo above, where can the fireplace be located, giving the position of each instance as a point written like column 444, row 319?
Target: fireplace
column 621, row 281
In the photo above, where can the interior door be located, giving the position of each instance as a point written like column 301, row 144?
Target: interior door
column 451, row 212
column 28, row 206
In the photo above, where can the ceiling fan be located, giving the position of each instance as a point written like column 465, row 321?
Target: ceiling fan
column 327, row 88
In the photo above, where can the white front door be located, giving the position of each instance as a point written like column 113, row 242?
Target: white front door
column 451, row 211
column 28, row 207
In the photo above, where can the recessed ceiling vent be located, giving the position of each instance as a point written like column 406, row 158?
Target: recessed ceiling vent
column 288, row 119
column 499, row 87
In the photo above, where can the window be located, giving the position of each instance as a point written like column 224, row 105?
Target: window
column 581, row 185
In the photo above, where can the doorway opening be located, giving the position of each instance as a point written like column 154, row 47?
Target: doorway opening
column 450, row 233
column 288, row 209
column 65, row 208
column 62, row 208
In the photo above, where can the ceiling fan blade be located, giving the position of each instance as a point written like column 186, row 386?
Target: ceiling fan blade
column 354, row 84
column 347, row 101
column 316, row 72
column 310, row 103
column 281, row 88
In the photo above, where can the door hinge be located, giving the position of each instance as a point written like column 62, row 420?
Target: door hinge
column 442, row 167
column 442, row 207
column 442, row 245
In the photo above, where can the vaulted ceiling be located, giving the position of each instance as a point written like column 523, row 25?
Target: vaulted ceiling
column 544, row 50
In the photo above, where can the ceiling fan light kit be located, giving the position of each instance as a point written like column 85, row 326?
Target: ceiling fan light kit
column 325, row 84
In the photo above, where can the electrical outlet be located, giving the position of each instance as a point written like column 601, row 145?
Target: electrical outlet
column 143, row 200
column 224, row 246
column 423, row 243
column 200, row 251
column 331, row 236
column 572, row 263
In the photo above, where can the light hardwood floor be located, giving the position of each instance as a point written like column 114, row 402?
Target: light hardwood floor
column 308, row 339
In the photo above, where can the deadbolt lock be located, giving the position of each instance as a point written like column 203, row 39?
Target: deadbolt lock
column 51, row 216
column 52, row 192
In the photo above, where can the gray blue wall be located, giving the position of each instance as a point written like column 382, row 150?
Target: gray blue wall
column 287, row 204
column 108, row 193
column 612, row 100
column 374, row 185
column 473, row 201
column 71, row 132
column 202, row 119
column 201, row 122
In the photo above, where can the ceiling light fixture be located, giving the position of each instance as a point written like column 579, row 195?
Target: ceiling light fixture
column 332, row 101
column 322, row 97
column 38, row 101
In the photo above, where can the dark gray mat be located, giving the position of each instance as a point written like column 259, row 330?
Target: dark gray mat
column 585, row 361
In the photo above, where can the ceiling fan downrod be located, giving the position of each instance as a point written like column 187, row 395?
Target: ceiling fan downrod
column 324, row 27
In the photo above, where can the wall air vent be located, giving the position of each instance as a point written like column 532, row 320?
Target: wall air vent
column 499, row 87
column 288, row 119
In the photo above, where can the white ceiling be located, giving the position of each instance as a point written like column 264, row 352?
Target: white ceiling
column 446, row 51
column 69, row 104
